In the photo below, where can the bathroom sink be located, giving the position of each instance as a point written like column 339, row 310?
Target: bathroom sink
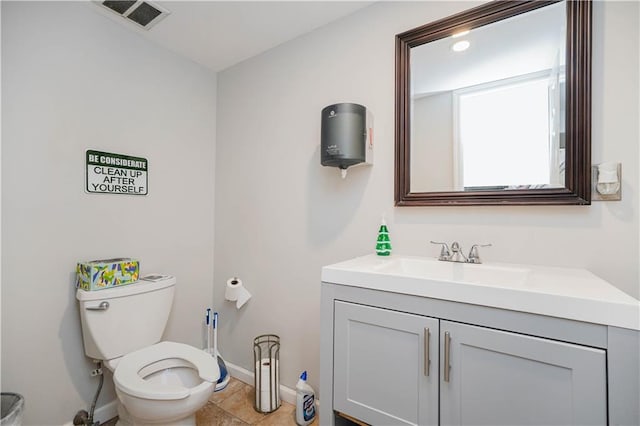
column 547, row 290
column 432, row 269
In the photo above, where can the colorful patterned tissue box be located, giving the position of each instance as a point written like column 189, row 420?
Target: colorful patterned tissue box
column 107, row 273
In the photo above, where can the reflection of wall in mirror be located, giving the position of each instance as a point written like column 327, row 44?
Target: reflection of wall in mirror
column 432, row 143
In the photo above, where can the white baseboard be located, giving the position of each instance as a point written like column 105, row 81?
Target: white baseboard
column 103, row 413
column 286, row 394
column 246, row 376
column 107, row 412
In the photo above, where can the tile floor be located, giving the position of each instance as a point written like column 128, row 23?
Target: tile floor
column 233, row 406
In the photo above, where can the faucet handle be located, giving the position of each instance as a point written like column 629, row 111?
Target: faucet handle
column 474, row 256
column 445, row 254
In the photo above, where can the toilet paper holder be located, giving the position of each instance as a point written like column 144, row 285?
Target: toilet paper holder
column 235, row 292
column 266, row 360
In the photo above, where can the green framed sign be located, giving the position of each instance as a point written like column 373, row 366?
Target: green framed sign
column 109, row 173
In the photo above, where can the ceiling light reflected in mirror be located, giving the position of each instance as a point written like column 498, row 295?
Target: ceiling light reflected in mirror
column 461, row 46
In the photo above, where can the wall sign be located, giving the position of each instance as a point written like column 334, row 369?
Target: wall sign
column 109, row 173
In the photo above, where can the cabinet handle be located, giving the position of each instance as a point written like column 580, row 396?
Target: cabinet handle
column 427, row 357
column 447, row 355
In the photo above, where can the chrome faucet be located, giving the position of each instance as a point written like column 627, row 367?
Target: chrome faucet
column 445, row 253
column 455, row 254
column 474, row 256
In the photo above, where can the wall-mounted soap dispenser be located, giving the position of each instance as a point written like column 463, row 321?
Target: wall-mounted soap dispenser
column 346, row 136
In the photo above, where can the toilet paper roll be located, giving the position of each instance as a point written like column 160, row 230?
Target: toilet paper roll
column 268, row 396
column 236, row 292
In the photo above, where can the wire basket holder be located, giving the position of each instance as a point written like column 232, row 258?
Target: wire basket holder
column 266, row 359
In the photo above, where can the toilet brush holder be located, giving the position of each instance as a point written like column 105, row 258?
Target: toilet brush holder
column 266, row 359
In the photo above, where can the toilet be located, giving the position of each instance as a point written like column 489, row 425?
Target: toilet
column 157, row 383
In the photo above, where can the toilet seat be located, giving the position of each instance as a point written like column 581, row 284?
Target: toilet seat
column 128, row 379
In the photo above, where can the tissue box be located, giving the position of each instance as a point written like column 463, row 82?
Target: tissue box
column 107, row 273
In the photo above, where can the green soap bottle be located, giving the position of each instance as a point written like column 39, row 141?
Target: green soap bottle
column 383, row 245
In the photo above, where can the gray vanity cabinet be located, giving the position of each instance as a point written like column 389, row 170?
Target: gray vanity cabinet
column 411, row 340
column 397, row 368
column 503, row 378
column 382, row 374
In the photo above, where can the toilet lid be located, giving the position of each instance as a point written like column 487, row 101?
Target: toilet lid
column 127, row 377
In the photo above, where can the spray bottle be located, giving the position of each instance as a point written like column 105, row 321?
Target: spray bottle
column 305, row 402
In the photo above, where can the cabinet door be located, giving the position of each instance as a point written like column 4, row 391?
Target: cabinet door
column 382, row 374
column 501, row 378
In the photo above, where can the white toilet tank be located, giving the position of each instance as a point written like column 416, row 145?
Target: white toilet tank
column 120, row 320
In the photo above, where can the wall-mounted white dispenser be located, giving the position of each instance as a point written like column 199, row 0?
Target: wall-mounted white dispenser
column 606, row 182
column 346, row 136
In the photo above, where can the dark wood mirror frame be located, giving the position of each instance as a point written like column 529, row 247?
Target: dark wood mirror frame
column 577, row 188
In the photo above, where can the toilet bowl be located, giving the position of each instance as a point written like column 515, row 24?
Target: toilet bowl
column 165, row 383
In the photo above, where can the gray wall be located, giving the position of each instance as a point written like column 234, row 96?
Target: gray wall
column 432, row 145
column 280, row 216
column 74, row 80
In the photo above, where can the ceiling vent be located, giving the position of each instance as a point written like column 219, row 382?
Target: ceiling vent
column 143, row 13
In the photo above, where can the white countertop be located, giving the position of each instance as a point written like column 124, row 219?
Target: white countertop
column 575, row 294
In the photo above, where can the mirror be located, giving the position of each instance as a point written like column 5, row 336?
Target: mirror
column 493, row 106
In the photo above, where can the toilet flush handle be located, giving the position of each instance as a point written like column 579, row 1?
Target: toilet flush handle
column 103, row 306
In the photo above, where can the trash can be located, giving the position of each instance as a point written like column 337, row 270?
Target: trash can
column 266, row 357
column 12, row 408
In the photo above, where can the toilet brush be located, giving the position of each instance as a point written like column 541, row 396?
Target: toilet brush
column 208, row 322
column 224, row 379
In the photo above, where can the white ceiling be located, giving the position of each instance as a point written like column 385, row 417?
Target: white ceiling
column 519, row 45
column 219, row 34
